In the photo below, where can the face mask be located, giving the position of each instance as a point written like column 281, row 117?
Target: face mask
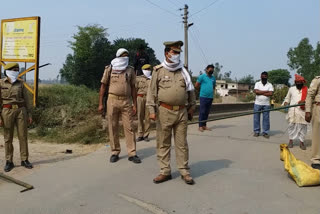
column 210, row 72
column 175, row 58
column 147, row 73
column 299, row 86
column 264, row 80
column 13, row 75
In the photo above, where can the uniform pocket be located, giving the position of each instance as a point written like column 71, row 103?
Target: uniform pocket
column 17, row 92
column 7, row 118
column 166, row 83
column 5, row 92
column 182, row 83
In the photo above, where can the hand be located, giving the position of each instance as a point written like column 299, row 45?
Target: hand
column 30, row 120
column 190, row 114
column 308, row 117
column 301, row 101
column 1, row 123
column 153, row 116
column 134, row 110
column 285, row 104
column 100, row 108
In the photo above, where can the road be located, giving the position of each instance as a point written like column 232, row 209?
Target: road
column 234, row 173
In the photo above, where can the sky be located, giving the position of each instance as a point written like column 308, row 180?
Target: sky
column 245, row 36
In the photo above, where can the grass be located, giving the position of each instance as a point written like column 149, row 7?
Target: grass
column 67, row 114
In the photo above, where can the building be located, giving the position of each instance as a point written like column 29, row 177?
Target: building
column 224, row 88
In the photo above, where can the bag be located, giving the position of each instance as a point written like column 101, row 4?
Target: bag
column 301, row 173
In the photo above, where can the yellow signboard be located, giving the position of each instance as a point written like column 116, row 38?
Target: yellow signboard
column 19, row 40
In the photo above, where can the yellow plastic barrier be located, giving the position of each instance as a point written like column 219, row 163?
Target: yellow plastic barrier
column 301, row 173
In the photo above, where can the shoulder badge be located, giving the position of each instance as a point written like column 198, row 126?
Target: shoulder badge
column 157, row 67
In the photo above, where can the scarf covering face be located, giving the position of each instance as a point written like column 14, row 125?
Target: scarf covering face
column 176, row 66
column 147, row 73
column 119, row 64
column 13, row 75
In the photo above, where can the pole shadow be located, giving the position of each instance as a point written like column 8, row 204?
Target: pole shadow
column 202, row 168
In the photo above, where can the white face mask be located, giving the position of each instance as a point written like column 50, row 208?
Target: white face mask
column 147, row 73
column 175, row 58
column 13, row 75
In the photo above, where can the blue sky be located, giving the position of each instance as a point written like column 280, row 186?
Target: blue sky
column 245, row 36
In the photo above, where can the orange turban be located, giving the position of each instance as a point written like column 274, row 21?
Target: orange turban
column 298, row 78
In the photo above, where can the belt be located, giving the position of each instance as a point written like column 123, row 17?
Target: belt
column 12, row 106
column 140, row 95
column 170, row 107
column 118, row 97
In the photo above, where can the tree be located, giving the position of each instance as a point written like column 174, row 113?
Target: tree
column 227, row 76
column 91, row 52
column 132, row 45
column 305, row 59
column 279, row 76
column 248, row 79
column 217, row 71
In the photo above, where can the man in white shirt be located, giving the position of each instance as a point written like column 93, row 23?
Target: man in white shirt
column 296, row 115
column 263, row 90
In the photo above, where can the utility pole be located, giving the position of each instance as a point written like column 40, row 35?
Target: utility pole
column 186, row 27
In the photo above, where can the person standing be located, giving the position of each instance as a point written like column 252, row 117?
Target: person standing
column 142, row 84
column 313, row 112
column 141, row 59
column 207, row 84
column 263, row 90
column 119, row 80
column 15, row 111
column 296, row 115
column 171, row 92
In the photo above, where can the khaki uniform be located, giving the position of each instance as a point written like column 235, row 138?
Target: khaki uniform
column 314, row 96
column 15, row 110
column 169, row 88
column 119, row 103
column 142, row 83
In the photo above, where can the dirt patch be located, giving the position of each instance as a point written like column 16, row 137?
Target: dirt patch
column 42, row 153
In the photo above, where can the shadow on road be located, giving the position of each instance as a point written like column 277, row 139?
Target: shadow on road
column 207, row 166
column 221, row 126
column 146, row 152
column 54, row 160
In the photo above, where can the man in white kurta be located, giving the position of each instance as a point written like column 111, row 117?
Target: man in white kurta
column 296, row 115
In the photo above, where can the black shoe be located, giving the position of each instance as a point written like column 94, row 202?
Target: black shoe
column 9, row 166
column 114, row 158
column 140, row 139
column 256, row 134
column 26, row 164
column 315, row 166
column 146, row 138
column 265, row 135
column 134, row 159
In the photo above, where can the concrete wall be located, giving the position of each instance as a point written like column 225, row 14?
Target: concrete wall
column 228, row 107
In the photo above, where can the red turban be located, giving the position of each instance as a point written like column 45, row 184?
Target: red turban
column 299, row 78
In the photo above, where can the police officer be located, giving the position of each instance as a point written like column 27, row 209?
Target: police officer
column 142, row 83
column 313, row 111
column 172, row 93
column 15, row 110
column 119, row 78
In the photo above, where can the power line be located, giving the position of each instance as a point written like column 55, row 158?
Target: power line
column 168, row 11
column 204, row 58
column 212, row 3
column 173, row 2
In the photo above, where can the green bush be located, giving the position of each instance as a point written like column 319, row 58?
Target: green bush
column 250, row 97
column 279, row 94
column 67, row 114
